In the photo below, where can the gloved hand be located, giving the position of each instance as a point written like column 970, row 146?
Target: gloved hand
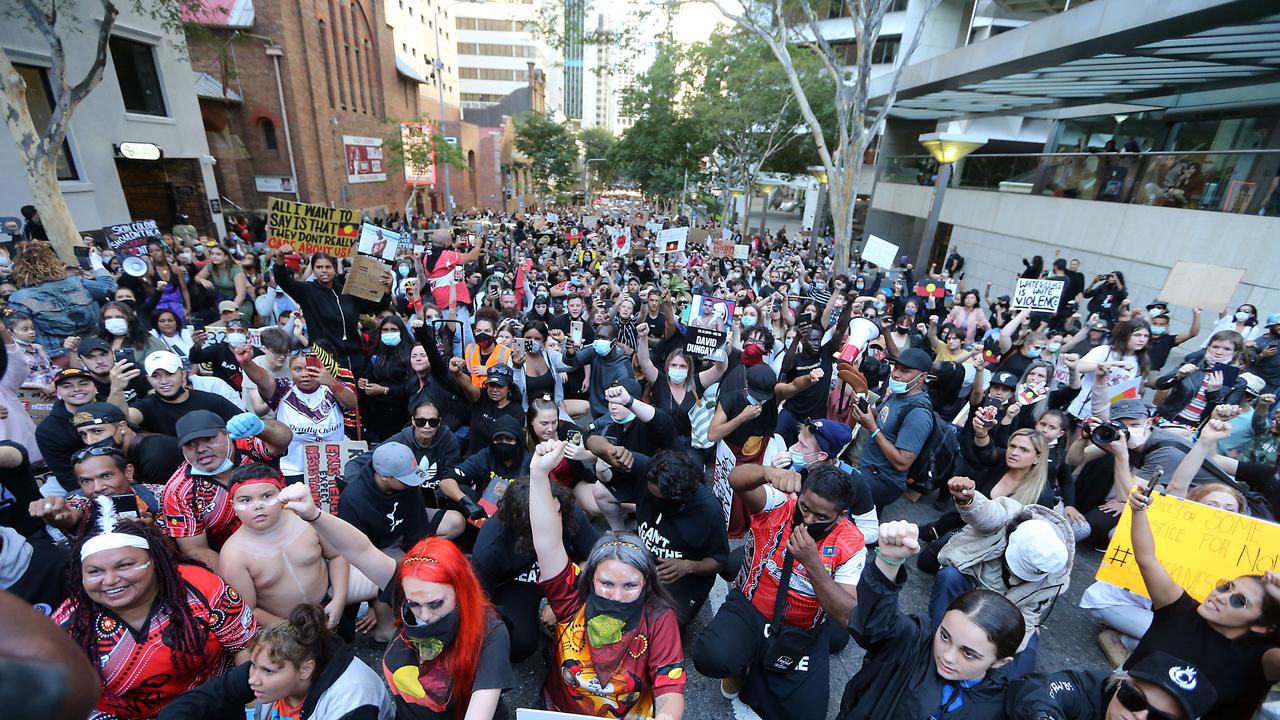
column 244, row 425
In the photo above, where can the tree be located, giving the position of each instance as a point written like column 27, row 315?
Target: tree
column 39, row 148
column 782, row 24
column 551, row 150
column 597, row 143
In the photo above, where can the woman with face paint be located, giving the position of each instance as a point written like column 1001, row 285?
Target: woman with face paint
column 616, row 646
column 383, row 407
column 449, row 657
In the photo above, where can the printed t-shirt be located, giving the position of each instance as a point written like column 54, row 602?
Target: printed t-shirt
column 441, row 278
column 312, row 417
column 423, row 689
column 195, row 504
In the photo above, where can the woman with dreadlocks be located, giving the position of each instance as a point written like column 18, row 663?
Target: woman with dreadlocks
column 155, row 623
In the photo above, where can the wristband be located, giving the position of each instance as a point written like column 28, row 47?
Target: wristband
column 320, row 512
column 874, row 434
column 895, row 563
column 964, row 503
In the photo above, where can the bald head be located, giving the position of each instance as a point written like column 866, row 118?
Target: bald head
column 440, row 236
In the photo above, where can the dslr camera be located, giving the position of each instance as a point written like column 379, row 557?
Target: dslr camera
column 1107, row 433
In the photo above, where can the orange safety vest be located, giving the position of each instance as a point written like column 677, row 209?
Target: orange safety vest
column 499, row 356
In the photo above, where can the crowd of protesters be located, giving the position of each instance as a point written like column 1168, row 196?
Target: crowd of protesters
column 559, row 465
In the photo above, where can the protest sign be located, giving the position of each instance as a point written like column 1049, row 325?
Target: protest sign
column 621, row 237
column 1037, row 295
column 878, row 251
column 378, row 242
column 740, row 252
column 672, row 240
column 553, row 217
column 726, row 233
column 1200, row 285
column 367, row 279
column 322, row 465
column 131, row 238
column 37, row 404
column 725, row 462
column 1200, row 546
column 709, row 320
column 590, row 221
column 697, row 236
column 703, row 342
column 218, row 333
column 312, row 228
column 722, row 248
column 653, row 227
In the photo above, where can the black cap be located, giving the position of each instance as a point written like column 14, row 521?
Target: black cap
column 199, row 424
column 913, row 358
column 90, row 344
column 500, row 375
column 507, row 425
column 760, row 381
column 1183, row 680
column 1006, row 378
column 631, row 386
column 96, row 413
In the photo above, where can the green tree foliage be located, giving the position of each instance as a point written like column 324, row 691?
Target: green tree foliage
column 597, row 143
column 550, row 148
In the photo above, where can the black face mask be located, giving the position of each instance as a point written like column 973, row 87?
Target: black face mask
column 429, row 639
column 506, row 453
column 607, row 620
column 817, row 531
column 484, row 338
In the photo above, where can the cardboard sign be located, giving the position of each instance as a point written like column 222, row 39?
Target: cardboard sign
column 1201, row 285
column 322, row 466
column 378, row 242
column 1199, row 545
column 673, row 240
column 312, row 228
column 698, row 236
column 131, row 238
column 880, row 252
column 218, row 333
column 367, row 279
column 1037, row 295
column 37, row 405
column 722, row 248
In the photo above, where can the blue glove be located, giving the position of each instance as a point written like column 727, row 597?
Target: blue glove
column 245, row 425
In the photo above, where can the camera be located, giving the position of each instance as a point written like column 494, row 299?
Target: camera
column 1107, row 433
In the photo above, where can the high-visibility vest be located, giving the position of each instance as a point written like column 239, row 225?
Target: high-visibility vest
column 499, row 356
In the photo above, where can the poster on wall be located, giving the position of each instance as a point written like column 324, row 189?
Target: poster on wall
column 364, row 159
column 273, row 183
column 418, row 141
column 312, row 228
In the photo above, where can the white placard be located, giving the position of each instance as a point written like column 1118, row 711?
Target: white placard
column 654, row 228
column 726, row 233
column 878, row 251
column 672, row 240
column 1037, row 295
column 740, row 252
column 553, row 217
column 531, row 714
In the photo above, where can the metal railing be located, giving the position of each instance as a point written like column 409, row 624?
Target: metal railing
column 1235, row 181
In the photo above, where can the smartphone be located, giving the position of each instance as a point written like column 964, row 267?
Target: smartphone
column 457, row 273
column 197, row 325
column 126, row 506
column 575, row 437
column 313, row 362
column 863, row 405
column 1154, row 481
column 293, row 262
column 1230, row 373
column 575, row 332
column 126, row 356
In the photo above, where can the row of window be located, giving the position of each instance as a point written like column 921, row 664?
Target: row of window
column 492, row 24
column 482, row 98
column 885, row 51
column 495, row 50
column 470, row 73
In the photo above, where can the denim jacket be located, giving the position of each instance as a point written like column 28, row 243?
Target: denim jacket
column 66, row 307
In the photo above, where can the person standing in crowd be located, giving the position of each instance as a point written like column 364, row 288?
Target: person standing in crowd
column 61, row 305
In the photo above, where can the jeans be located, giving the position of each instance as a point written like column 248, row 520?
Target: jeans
column 951, row 584
column 1130, row 621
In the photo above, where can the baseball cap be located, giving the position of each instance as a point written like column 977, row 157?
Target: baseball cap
column 70, row 373
column 831, row 435
column 760, row 381
column 162, row 360
column 1253, row 383
column 90, row 344
column 1035, row 550
column 1005, row 378
column 1157, row 308
column 1098, row 325
column 1273, row 319
column 507, row 425
column 631, row 386
column 199, row 424
column 1129, row 408
column 913, row 358
column 1180, row 679
column 395, row 460
column 97, row 413
column 499, row 375
column 228, row 306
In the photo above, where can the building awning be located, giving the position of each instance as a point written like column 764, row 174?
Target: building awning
column 210, row 88
column 404, row 68
column 221, row 13
column 1107, row 51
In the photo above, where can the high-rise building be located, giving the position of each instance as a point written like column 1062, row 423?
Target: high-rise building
column 496, row 44
column 575, row 14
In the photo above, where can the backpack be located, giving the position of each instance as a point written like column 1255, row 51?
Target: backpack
column 936, row 462
column 700, row 416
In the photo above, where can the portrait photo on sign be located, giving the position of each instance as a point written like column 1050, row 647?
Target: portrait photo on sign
column 709, row 313
column 378, row 242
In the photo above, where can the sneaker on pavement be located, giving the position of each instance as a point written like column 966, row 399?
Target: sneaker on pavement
column 731, row 686
column 1113, row 647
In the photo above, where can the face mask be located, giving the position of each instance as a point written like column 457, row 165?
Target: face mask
column 535, row 347
column 1031, row 353
column 391, row 339
column 897, row 387
column 911, row 311
column 1158, row 330
column 1242, row 316
column 436, row 322
column 225, row 466
column 678, row 376
column 602, row 347
column 1137, row 437
column 429, row 639
column 484, row 338
column 798, row 462
column 608, row 619
column 626, row 420
column 116, row 326
column 748, row 321
column 505, row 452
column 22, row 342
column 403, row 270
column 817, row 531
column 236, row 339
column 878, row 304
column 1055, row 347
column 1213, row 357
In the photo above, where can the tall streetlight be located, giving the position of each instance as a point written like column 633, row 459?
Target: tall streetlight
column 946, row 148
column 586, row 180
column 438, row 66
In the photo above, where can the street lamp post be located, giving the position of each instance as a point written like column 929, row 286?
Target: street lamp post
column 766, row 189
column 946, row 148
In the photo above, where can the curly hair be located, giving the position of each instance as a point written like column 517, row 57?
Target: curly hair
column 513, row 513
column 38, row 264
column 675, row 473
column 304, row 636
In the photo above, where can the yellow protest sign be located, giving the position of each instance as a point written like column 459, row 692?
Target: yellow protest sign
column 312, row 228
column 1199, row 545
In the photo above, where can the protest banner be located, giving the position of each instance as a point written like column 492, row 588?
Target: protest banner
column 722, row 248
column 1037, row 295
column 1200, row 546
column 553, row 217
column 131, row 238
column 378, row 242
column 672, row 240
column 878, row 251
column 37, row 404
column 312, row 228
column 322, row 466
column 364, row 159
column 367, row 279
column 1201, row 285
column 653, row 227
column 590, row 221
column 740, row 252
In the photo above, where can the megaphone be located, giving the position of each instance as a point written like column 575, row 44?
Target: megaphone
column 861, row 332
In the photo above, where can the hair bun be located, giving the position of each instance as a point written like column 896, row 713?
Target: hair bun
column 308, row 623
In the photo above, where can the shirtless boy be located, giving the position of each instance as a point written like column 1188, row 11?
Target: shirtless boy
column 275, row 559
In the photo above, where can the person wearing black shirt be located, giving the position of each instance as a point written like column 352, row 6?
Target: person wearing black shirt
column 504, row 560
column 99, row 359
column 219, row 355
column 805, row 381
column 1106, row 293
column 155, row 457
column 486, row 473
column 18, row 490
column 331, row 316
column 1162, row 341
column 172, row 399
column 55, row 435
column 501, row 399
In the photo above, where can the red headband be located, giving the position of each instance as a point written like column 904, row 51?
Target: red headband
column 270, row 479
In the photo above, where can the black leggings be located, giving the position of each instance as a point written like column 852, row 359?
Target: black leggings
column 518, row 604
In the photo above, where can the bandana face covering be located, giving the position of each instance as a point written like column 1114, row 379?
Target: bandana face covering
column 429, row 639
column 608, row 619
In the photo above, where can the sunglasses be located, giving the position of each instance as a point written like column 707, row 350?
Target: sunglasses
column 86, row 453
column 1134, row 701
column 1235, row 599
column 424, row 422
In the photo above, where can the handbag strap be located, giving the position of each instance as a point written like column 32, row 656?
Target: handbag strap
column 784, row 585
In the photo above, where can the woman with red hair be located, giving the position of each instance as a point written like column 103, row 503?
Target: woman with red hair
column 450, row 656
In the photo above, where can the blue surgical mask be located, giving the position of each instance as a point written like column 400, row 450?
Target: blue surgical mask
column 536, row 346
column 897, row 387
column 436, row 322
column 678, row 376
column 748, row 321
column 879, row 304
column 626, row 420
column 798, row 462
column 1159, row 330
column 225, row 466
column 391, row 339
column 1032, row 353
column 404, row 270
column 1055, row 347
column 602, row 347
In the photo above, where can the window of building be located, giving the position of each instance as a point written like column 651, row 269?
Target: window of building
column 469, row 73
column 885, row 50
column 490, row 24
column 898, row 6
column 40, row 105
column 495, row 50
column 268, row 134
column 139, row 79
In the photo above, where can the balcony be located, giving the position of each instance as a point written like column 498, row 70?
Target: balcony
column 1238, row 181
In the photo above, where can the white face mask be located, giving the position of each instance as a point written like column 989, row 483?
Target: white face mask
column 116, row 326
column 1138, row 436
column 236, row 339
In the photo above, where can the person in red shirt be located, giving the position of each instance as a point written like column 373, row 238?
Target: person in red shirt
column 799, row 537
column 617, row 650
column 442, row 266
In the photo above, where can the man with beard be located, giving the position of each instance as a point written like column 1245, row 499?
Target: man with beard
column 798, row 582
column 173, row 399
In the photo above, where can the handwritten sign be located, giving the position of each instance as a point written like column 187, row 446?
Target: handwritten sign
column 37, row 404
column 312, row 228
column 131, row 238
column 672, row 240
column 879, row 251
column 722, row 248
column 322, row 465
column 725, row 462
column 697, row 236
column 1199, row 545
column 1037, row 295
